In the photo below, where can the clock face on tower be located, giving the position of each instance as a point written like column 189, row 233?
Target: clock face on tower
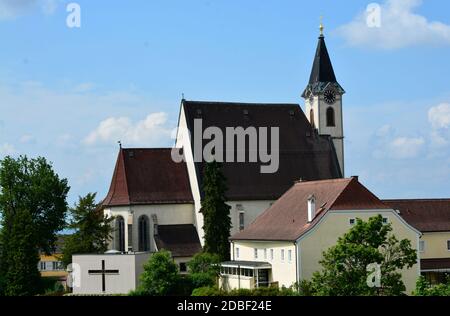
column 329, row 96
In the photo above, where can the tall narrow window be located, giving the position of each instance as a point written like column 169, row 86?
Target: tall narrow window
column 330, row 117
column 282, row 254
column 422, row 245
column 271, row 254
column 241, row 220
column 237, row 253
column 255, row 253
column 144, row 233
column 448, row 245
column 120, row 234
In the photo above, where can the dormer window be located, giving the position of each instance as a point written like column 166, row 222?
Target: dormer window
column 311, row 208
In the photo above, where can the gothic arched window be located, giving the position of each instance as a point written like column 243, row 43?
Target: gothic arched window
column 330, row 117
column 143, row 225
column 120, row 234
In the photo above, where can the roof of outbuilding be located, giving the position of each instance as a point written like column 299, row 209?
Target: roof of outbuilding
column 148, row 176
column 180, row 240
column 287, row 218
column 426, row 215
column 303, row 153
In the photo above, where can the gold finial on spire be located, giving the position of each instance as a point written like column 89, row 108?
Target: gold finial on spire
column 321, row 26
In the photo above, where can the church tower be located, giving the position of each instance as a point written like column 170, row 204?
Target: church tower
column 323, row 100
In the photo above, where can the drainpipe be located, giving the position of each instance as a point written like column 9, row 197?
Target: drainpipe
column 296, row 262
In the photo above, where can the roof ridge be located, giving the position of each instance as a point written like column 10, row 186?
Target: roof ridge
column 241, row 103
column 322, row 181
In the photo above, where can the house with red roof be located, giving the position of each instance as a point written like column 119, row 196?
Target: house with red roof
column 285, row 243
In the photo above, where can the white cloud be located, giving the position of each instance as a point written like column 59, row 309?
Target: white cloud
column 27, row 139
column 439, row 116
column 84, row 87
column 400, row 27
column 404, row 147
column 152, row 129
column 10, row 9
column 7, row 149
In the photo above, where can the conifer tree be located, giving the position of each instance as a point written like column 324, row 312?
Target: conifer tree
column 216, row 213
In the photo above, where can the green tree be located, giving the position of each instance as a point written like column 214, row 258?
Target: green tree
column 216, row 213
column 32, row 210
column 92, row 229
column 160, row 276
column 345, row 264
column 204, row 269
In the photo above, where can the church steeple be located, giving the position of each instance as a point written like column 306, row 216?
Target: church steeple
column 322, row 73
column 323, row 99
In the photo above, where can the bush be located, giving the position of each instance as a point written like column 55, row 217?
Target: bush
column 208, row 291
column 160, row 276
column 204, row 269
column 424, row 288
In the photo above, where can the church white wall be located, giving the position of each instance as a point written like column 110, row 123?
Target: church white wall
column 167, row 214
column 319, row 107
column 130, row 267
column 183, row 141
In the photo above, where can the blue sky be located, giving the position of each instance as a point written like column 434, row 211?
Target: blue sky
column 70, row 93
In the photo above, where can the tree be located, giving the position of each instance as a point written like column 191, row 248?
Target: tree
column 216, row 213
column 32, row 208
column 345, row 265
column 204, row 269
column 160, row 276
column 92, row 229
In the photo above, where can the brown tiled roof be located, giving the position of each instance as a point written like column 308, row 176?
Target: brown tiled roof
column 287, row 218
column 180, row 240
column 148, row 176
column 303, row 153
column 426, row 215
column 435, row 264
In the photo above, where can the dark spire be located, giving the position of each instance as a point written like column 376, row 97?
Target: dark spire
column 322, row 70
column 322, row 73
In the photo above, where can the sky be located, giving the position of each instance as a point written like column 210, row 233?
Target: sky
column 70, row 93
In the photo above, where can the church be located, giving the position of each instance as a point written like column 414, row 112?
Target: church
column 156, row 199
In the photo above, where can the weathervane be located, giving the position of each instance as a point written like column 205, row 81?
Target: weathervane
column 321, row 25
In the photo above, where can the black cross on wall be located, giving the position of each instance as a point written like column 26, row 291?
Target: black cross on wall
column 103, row 273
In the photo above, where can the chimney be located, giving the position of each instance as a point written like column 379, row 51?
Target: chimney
column 356, row 178
column 311, row 208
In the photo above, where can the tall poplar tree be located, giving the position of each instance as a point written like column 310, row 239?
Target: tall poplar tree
column 32, row 210
column 216, row 213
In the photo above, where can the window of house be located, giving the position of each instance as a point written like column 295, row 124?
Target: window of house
column 265, row 254
column 241, row 220
column 352, row 221
column 448, row 245
column 271, row 254
column 385, row 220
column 330, row 117
column 237, row 253
column 183, row 267
column 255, row 251
column 290, row 255
column 422, row 245
column 120, row 234
column 42, row 265
column 57, row 265
column 282, row 254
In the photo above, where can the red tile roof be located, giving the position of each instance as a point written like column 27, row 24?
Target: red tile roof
column 287, row 218
column 426, row 215
column 148, row 176
column 180, row 240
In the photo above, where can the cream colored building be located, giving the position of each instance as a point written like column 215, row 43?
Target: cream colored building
column 432, row 218
column 285, row 244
